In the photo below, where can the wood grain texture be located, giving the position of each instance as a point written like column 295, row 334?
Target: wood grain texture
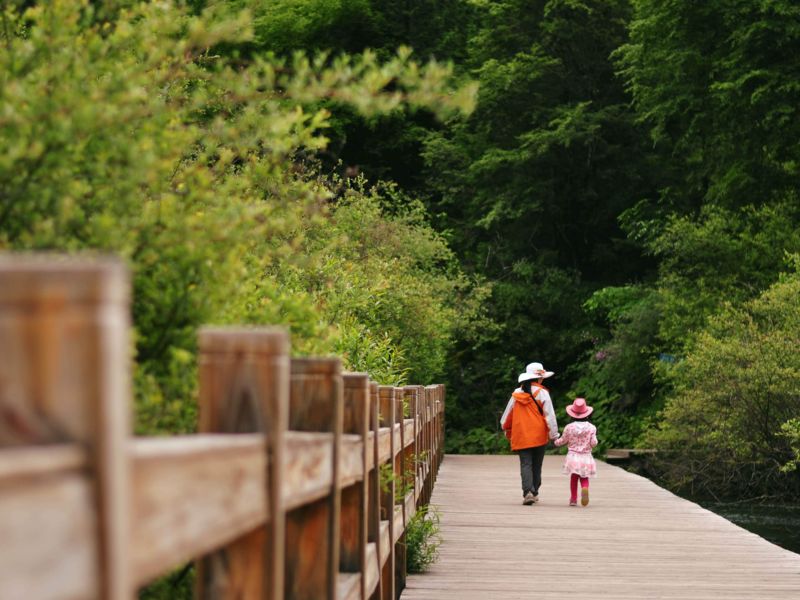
column 48, row 527
column 372, row 572
column 349, row 586
column 400, row 465
column 308, row 468
column 312, row 531
column 386, row 396
column 633, row 541
column 374, row 494
column 354, row 510
column 352, row 464
column 204, row 490
column 65, row 377
column 244, row 388
column 21, row 463
column 87, row 511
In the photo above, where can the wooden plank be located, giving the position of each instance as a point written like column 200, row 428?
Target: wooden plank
column 409, row 439
column 65, row 369
column 353, row 459
column 348, row 586
column 312, row 531
column 397, row 526
column 385, row 541
column 384, row 444
column 47, row 524
column 244, row 385
column 410, row 503
column 397, row 440
column 372, row 572
column 207, row 490
column 308, row 468
column 193, row 494
column 635, row 539
column 34, row 461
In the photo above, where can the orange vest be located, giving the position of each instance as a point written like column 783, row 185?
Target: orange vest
column 526, row 425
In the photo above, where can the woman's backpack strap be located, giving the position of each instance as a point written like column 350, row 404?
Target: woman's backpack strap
column 539, row 405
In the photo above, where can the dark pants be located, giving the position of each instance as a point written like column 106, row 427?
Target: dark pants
column 530, row 468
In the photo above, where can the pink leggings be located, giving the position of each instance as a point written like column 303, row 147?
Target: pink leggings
column 573, row 485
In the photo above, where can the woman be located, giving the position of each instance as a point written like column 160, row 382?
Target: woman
column 529, row 422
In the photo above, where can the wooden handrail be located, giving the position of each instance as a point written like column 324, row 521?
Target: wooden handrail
column 279, row 496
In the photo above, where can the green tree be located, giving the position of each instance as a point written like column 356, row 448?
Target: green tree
column 531, row 186
column 128, row 132
column 725, row 430
column 717, row 83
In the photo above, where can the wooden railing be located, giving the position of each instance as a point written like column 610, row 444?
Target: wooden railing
column 290, row 490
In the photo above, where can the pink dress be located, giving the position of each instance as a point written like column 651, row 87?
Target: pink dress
column 581, row 437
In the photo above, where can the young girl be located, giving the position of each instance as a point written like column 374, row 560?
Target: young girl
column 581, row 437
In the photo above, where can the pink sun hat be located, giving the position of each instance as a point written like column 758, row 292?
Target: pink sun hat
column 579, row 409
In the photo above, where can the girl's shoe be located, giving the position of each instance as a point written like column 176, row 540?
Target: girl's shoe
column 584, row 496
column 573, row 503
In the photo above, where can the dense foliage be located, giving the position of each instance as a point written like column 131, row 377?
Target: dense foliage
column 732, row 395
column 621, row 204
column 422, row 540
column 153, row 132
column 627, row 182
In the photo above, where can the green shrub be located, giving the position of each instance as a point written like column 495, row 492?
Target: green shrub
column 791, row 432
column 422, row 539
column 179, row 584
column 724, row 431
column 151, row 131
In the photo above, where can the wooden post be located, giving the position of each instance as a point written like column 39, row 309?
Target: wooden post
column 374, row 529
column 400, row 477
column 354, row 513
column 244, row 388
column 65, row 377
column 442, row 399
column 435, row 426
column 429, row 441
column 412, row 397
column 386, row 396
column 312, row 531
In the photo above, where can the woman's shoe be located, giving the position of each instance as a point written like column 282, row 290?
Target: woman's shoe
column 584, row 496
column 528, row 499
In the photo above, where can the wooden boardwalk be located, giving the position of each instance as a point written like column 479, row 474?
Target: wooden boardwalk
column 634, row 541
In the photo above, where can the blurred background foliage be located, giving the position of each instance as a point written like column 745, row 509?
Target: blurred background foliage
column 618, row 199
column 152, row 131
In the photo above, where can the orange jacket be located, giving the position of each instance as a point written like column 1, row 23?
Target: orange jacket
column 525, row 426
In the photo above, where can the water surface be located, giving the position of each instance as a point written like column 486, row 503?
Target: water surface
column 778, row 523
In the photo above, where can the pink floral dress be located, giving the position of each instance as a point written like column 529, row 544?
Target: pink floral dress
column 581, row 437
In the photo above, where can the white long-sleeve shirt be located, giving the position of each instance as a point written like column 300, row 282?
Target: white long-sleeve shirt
column 542, row 396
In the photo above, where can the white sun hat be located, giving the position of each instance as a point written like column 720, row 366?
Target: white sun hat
column 537, row 370
column 526, row 377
